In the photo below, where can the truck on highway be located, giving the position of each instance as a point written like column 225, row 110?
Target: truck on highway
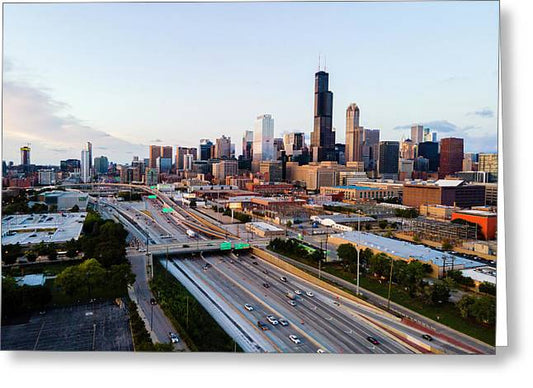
column 191, row 233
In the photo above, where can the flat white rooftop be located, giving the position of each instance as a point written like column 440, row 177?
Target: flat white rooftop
column 481, row 274
column 26, row 229
column 406, row 249
column 264, row 226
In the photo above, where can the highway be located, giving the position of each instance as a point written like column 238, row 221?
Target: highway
column 324, row 321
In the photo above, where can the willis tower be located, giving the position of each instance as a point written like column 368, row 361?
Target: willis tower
column 323, row 137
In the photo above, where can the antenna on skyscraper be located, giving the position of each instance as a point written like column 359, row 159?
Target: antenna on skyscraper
column 325, row 64
column 318, row 61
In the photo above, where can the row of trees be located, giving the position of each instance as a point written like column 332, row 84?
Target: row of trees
column 243, row 217
column 294, row 249
column 481, row 309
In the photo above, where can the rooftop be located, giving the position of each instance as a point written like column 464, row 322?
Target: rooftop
column 481, row 274
column 406, row 250
column 353, row 187
column 264, row 226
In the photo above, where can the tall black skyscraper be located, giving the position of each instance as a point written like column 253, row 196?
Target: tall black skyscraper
column 388, row 158
column 430, row 151
column 323, row 137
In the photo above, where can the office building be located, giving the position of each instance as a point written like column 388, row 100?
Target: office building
column 205, row 149
column 181, row 154
column 263, row 143
column 222, row 148
column 70, row 165
column 85, row 175
column 323, row 137
column 370, row 149
column 354, row 135
column 46, row 177
column 271, row 170
column 293, row 143
column 164, row 165
column 155, row 152
column 407, row 149
column 388, row 159
column 151, row 176
column 247, row 145
column 451, row 156
column 101, row 164
column 430, row 151
column 489, row 164
column 25, row 157
column 417, row 133
column 187, row 162
column 443, row 192
column 224, row 168
column 90, row 150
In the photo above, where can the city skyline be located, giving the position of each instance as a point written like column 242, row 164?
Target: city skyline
column 57, row 107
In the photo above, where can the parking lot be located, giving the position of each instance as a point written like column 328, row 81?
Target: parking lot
column 101, row 326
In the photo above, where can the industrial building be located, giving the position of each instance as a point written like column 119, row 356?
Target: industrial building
column 443, row 192
column 65, row 200
column 262, row 229
column 487, row 221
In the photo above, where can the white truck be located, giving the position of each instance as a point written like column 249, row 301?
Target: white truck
column 191, row 233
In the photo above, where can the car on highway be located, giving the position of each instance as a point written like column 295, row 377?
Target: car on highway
column 291, row 302
column 283, row 278
column 153, row 302
column 173, row 337
column 265, row 272
column 372, row 340
column 262, row 325
column 336, row 303
column 427, row 337
column 142, row 250
column 309, row 293
column 249, row 307
column 298, row 292
column 320, row 350
column 283, row 322
column 255, row 263
column 295, row 339
column 272, row 319
column 266, row 285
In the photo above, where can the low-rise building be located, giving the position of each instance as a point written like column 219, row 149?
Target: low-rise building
column 263, row 229
column 486, row 221
column 359, row 192
column 443, row 192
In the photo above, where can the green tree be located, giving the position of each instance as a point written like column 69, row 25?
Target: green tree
column 447, row 245
column 347, row 253
column 121, row 276
column 440, row 293
column 31, row 256
column 383, row 224
column 487, row 288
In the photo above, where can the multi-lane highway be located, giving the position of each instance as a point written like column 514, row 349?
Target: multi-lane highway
column 324, row 321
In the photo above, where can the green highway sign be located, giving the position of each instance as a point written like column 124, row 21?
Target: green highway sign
column 153, row 187
column 242, row 245
column 225, row 246
column 167, row 210
column 152, row 196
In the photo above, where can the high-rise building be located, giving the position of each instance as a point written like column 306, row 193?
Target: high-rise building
column 187, row 162
column 222, row 148
column 151, row 176
column 224, row 168
column 155, row 152
column 90, row 150
column 430, row 151
column 489, row 163
column 166, row 152
column 407, row 149
column 293, row 143
column 271, row 170
column 354, row 135
column 263, row 148
column 417, row 133
column 101, row 164
column 164, row 164
column 85, row 174
column 70, row 165
column 25, row 156
column 181, row 153
column 323, row 137
column 370, row 149
column 205, row 149
column 388, row 159
column 278, row 147
column 46, row 177
column 247, row 145
column 451, row 156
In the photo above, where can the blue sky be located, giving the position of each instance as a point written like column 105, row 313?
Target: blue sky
column 128, row 75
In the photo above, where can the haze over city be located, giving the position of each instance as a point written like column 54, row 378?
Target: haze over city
column 127, row 75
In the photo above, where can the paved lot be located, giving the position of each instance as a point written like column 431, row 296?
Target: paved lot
column 101, row 326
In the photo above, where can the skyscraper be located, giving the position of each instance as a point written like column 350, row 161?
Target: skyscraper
column 25, row 156
column 354, row 135
column 181, row 153
column 451, row 156
column 247, row 145
column 85, row 174
column 388, row 159
column 430, row 151
column 293, row 143
column 205, row 149
column 489, row 164
column 222, row 148
column 417, row 133
column 263, row 148
column 101, row 164
column 155, row 152
column 323, row 137
column 90, row 150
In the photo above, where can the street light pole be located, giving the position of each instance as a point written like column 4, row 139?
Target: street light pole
column 358, row 250
column 390, row 283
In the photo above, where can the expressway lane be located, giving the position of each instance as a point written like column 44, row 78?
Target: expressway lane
column 349, row 335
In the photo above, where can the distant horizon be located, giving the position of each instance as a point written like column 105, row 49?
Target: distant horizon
column 173, row 73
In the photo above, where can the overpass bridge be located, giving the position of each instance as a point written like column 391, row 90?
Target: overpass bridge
column 199, row 246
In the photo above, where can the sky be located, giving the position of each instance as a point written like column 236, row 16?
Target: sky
column 126, row 75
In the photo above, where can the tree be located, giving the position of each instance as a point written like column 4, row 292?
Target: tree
column 416, row 238
column 11, row 252
column 440, row 293
column 347, row 253
column 121, row 276
column 75, row 209
column 70, row 281
column 31, row 256
column 487, row 288
column 383, row 224
column 447, row 245
column 288, row 224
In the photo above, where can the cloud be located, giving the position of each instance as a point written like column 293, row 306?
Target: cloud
column 485, row 112
column 443, row 126
column 156, row 141
column 32, row 115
